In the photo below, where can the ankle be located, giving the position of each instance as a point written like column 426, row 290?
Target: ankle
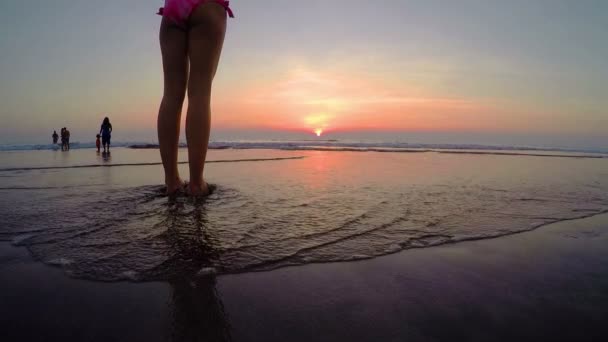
column 198, row 189
column 197, row 185
column 169, row 181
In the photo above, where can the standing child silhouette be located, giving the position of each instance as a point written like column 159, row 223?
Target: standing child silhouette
column 98, row 142
column 191, row 39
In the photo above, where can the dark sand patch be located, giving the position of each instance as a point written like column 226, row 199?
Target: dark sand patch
column 548, row 284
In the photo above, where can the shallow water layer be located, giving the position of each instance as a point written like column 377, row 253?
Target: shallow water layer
column 114, row 224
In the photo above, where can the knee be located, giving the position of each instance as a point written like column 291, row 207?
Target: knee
column 199, row 98
column 199, row 88
column 173, row 99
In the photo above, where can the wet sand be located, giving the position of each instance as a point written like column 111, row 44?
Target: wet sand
column 106, row 220
column 547, row 284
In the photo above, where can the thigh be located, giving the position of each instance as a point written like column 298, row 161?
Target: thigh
column 205, row 41
column 174, row 50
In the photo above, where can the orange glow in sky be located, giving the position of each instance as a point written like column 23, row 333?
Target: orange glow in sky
column 318, row 101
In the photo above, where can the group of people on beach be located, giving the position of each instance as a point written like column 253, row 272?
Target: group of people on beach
column 103, row 137
column 65, row 139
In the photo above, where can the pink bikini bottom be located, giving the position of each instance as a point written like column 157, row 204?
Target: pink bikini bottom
column 180, row 10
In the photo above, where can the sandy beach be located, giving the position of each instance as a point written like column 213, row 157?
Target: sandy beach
column 291, row 246
column 548, row 284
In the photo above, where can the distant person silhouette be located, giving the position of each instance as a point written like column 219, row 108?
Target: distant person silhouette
column 191, row 40
column 63, row 139
column 55, row 137
column 67, row 139
column 106, row 134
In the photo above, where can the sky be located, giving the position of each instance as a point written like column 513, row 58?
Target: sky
column 520, row 72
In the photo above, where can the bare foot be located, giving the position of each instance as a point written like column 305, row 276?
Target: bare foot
column 198, row 190
column 174, row 186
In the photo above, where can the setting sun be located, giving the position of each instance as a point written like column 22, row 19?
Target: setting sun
column 317, row 122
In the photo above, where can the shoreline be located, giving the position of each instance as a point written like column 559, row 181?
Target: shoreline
column 347, row 146
column 490, row 150
column 145, row 164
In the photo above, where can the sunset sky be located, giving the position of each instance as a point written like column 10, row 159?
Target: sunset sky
column 518, row 72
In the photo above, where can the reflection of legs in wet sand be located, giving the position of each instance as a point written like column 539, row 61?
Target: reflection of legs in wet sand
column 191, row 239
column 198, row 312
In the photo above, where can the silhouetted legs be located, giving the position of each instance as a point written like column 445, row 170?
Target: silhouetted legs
column 205, row 41
column 202, row 45
column 174, row 49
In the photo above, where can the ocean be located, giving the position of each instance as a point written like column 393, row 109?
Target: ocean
column 323, row 144
column 280, row 204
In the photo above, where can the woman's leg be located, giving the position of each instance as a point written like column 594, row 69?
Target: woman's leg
column 174, row 49
column 205, row 41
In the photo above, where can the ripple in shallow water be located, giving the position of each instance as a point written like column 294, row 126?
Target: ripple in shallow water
column 137, row 234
